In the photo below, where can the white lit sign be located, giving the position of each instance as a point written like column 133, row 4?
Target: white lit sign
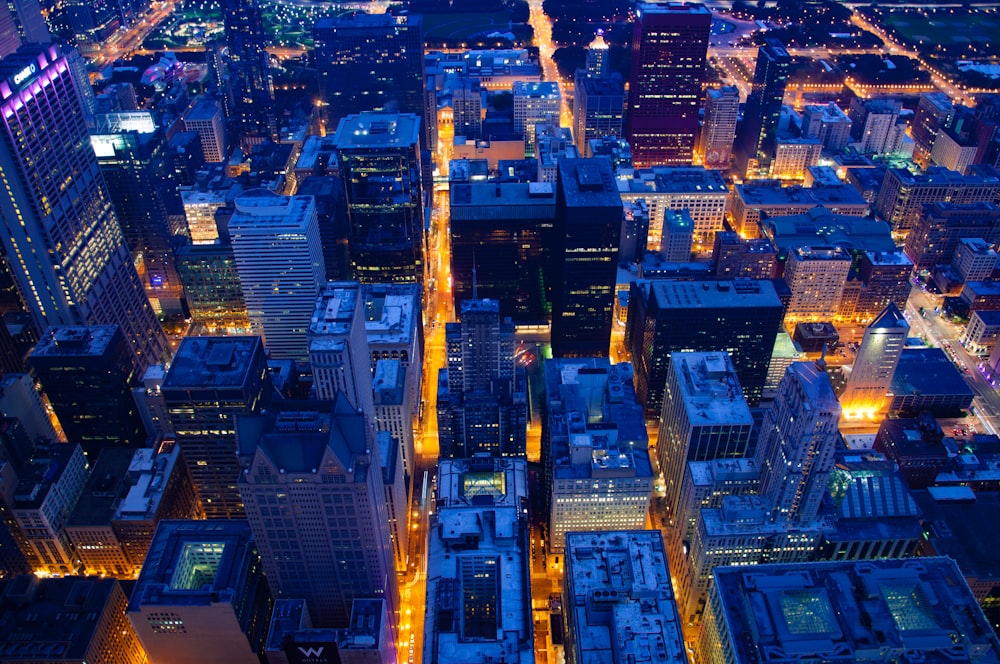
column 21, row 76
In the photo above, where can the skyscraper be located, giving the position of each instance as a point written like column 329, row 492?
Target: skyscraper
column 61, row 237
column 482, row 395
column 598, row 110
column 585, row 257
column 372, row 62
column 280, row 261
column 669, row 47
column 249, row 80
column 380, row 166
column 316, row 504
column 715, row 144
column 869, row 380
column 210, row 382
column 467, row 108
column 798, row 440
column 763, row 110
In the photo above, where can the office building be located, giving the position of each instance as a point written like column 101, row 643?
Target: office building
column 669, row 48
column 902, row 196
column 678, row 231
column 159, row 488
column 595, row 456
column 467, row 108
column 974, row 259
column 938, row 230
column 72, row 265
column 794, row 156
column 738, row 258
column 819, row 226
column 10, row 41
column 876, row 128
column 757, row 137
column 372, row 62
column 212, row 287
column 482, row 401
column 934, row 111
column 705, row 485
column 88, row 526
column 368, row 638
column 130, row 149
column 870, row 611
column 202, row 594
column 552, row 143
column 19, row 398
column 927, row 379
column 31, row 26
column 585, row 257
column 705, row 417
column 617, row 599
column 879, row 352
column 73, row 619
column 386, row 232
column 597, row 60
column 306, row 458
column 885, row 279
column 478, row 565
column 501, row 235
column 798, row 440
column 338, row 347
column 49, row 486
column 535, row 104
column 598, row 110
column 87, row 374
column 982, row 332
column 816, row 276
column 210, row 382
column 739, row 317
column 715, row 145
column 954, row 151
column 205, row 117
column 702, row 192
column 827, row 123
column 753, row 201
column 280, row 261
column 248, row 84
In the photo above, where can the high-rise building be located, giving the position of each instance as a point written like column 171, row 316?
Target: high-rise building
column 131, row 150
column 902, row 195
column 798, row 441
column 595, row 456
column 31, row 27
column 535, row 103
column 467, row 108
column 753, row 201
column 380, row 165
column 715, row 144
column 19, row 398
column 210, row 382
column 87, row 374
column 740, row 317
column 827, row 123
column 934, row 111
column 870, row 378
column 372, row 62
column 669, row 48
column 479, row 565
column 598, row 110
column 737, row 258
column 316, row 503
column 856, row 611
column 598, row 59
column 705, row 417
column 585, row 257
column 249, row 80
column 212, row 287
column 500, row 246
column 202, row 594
column 10, row 41
column 280, row 261
column 974, row 259
column 205, row 117
column 482, row 400
column 618, row 602
column 73, row 619
column 69, row 258
column 875, row 125
column 816, row 277
column 759, row 131
column 939, row 228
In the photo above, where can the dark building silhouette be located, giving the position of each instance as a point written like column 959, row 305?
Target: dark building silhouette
column 669, row 47
column 584, row 257
column 756, row 140
column 249, row 82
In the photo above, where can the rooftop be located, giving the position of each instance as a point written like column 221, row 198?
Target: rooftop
column 333, row 317
column 149, row 472
column 820, row 225
column 769, row 193
column 736, row 294
column 213, row 362
column 75, row 341
column 710, row 388
column 262, row 209
column 392, row 313
column 108, row 482
column 673, row 180
column 588, row 183
column 885, row 610
column 619, row 591
column 202, row 110
column 378, row 130
column 927, row 371
column 45, row 468
column 955, row 529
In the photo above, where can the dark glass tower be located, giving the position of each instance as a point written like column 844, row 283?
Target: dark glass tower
column 371, row 62
column 585, row 254
column 758, row 133
column 61, row 237
column 249, row 83
column 669, row 48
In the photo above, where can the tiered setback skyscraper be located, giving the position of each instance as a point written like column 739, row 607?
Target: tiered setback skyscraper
column 669, row 47
column 61, row 238
column 380, row 166
column 211, row 380
column 585, row 257
column 316, row 504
